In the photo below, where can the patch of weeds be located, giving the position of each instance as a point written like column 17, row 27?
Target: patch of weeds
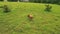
column 57, row 25
column 45, row 22
column 20, row 30
column 56, row 19
column 51, row 32
column 58, row 16
column 57, row 28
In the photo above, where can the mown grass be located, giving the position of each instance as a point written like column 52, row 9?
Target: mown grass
column 16, row 21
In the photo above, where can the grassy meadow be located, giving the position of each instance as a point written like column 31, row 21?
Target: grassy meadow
column 16, row 21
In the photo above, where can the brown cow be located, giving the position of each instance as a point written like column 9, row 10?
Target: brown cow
column 30, row 16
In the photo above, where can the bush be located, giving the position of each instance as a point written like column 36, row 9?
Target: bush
column 48, row 8
column 6, row 9
column 58, row 3
column 1, row 0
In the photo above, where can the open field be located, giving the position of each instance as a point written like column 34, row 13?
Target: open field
column 16, row 21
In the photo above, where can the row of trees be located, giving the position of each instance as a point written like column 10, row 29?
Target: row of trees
column 14, row 0
column 9, row 0
column 39, row 1
column 45, row 1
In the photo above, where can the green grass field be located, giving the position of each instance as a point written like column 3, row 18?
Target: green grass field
column 16, row 21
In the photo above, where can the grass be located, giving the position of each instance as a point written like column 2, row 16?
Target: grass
column 16, row 21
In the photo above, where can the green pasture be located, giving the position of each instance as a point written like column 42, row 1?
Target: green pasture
column 17, row 22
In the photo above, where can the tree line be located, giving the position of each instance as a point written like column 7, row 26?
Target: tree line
column 38, row 1
column 46, row 1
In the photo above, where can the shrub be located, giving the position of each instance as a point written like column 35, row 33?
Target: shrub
column 6, row 9
column 58, row 3
column 48, row 8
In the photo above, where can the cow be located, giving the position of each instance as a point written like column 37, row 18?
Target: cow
column 30, row 16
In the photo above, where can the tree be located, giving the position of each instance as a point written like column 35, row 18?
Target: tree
column 1, row 0
column 13, row 0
